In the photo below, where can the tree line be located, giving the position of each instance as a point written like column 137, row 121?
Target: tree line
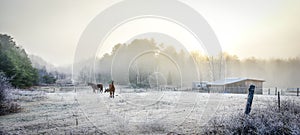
column 16, row 65
column 143, row 61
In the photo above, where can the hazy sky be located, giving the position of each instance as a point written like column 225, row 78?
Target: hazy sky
column 52, row 28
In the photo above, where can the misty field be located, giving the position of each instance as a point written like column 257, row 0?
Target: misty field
column 132, row 111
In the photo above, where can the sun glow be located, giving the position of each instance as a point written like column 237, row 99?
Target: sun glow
column 131, row 29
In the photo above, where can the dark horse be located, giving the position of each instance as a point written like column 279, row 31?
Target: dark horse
column 111, row 90
column 96, row 87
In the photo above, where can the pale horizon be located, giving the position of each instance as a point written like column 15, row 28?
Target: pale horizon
column 52, row 29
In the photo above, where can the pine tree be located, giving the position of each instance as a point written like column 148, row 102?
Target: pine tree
column 15, row 64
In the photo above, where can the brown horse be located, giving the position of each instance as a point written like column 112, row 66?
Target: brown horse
column 96, row 87
column 111, row 90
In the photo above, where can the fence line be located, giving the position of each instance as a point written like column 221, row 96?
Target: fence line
column 283, row 91
column 264, row 91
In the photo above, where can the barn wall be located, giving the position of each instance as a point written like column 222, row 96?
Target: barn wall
column 258, row 85
column 217, row 89
column 238, row 87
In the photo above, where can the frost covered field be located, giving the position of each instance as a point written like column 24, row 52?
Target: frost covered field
column 130, row 112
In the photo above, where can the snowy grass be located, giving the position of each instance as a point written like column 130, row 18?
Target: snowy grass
column 268, row 120
column 152, row 128
column 13, row 97
column 27, row 96
column 7, row 105
column 85, row 112
column 10, row 98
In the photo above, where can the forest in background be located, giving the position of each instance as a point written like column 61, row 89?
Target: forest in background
column 143, row 62
column 17, row 66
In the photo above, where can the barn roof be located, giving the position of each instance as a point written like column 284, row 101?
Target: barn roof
column 232, row 80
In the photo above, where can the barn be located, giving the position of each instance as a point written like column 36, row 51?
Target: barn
column 235, row 85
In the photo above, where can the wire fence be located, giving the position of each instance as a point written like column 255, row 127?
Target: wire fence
column 282, row 91
column 244, row 90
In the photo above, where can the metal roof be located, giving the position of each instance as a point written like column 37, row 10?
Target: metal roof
column 232, row 80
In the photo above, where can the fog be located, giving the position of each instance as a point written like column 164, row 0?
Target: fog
column 267, row 30
column 140, row 63
column 263, row 29
column 144, row 63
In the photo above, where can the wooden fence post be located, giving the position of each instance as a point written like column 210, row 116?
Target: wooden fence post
column 269, row 91
column 250, row 99
column 275, row 90
column 76, row 122
column 278, row 101
column 297, row 91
